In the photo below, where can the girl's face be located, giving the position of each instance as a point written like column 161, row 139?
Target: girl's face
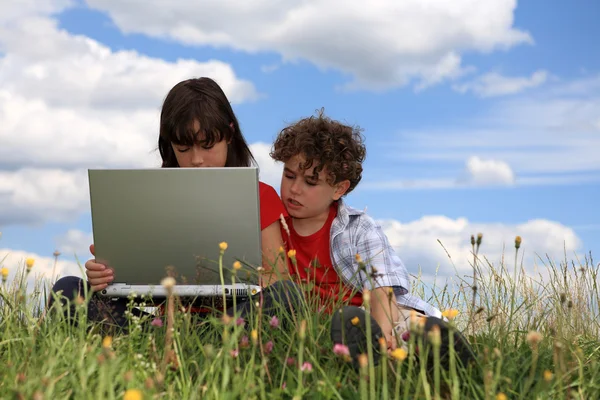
column 201, row 154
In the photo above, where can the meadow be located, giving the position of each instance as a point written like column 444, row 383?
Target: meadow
column 536, row 337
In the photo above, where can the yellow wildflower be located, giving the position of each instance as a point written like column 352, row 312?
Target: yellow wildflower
column 133, row 394
column 107, row 342
column 399, row 354
column 450, row 313
column 517, row 242
column 29, row 263
column 501, row 396
column 237, row 265
column 168, row 282
column 355, row 321
column 548, row 375
column 223, row 246
column 254, row 335
column 292, row 253
column 4, row 273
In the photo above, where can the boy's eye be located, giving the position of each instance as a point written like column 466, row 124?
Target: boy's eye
column 289, row 176
column 311, row 183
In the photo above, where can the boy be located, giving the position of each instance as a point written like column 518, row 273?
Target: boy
column 340, row 249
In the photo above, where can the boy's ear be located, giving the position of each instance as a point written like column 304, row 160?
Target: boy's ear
column 340, row 189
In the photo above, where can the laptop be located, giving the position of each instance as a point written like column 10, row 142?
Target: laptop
column 151, row 223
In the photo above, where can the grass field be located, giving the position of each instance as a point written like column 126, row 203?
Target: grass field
column 537, row 337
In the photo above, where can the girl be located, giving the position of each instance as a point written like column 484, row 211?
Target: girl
column 198, row 129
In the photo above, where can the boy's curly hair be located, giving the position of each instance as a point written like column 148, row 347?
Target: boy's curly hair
column 326, row 143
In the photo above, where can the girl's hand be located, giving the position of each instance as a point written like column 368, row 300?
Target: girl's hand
column 98, row 275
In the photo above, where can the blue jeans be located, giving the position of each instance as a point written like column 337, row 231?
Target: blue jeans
column 281, row 296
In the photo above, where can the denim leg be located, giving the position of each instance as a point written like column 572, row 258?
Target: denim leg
column 281, row 297
column 99, row 309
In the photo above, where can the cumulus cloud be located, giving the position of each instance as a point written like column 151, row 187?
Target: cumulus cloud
column 494, row 84
column 46, row 269
column 387, row 44
column 270, row 170
column 75, row 244
column 418, row 244
column 482, row 172
column 69, row 103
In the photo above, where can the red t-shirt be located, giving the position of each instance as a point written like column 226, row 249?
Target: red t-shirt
column 315, row 266
column 271, row 206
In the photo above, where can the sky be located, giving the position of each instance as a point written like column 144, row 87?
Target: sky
column 478, row 116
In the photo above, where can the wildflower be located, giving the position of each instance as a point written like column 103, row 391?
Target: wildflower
column 234, row 353
column 435, row 336
column 341, row 350
column 107, row 342
column 517, row 242
column 157, row 322
column 479, row 237
column 223, row 246
column 269, row 347
column 290, row 361
column 292, row 254
column 363, row 360
column 274, row 322
column 306, row 367
column 366, row 295
column 281, row 250
column 534, row 338
column 501, row 396
column 244, row 342
column 406, row 336
column 240, row 321
column 254, row 335
column 302, row 332
column 355, row 321
column 168, row 282
column 548, row 375
column 133, row 394
column 128, row 376
column 358, row 258
column 472, row 240
column 237, row 265
column 29, row 262
column 399, row 354
column 4, row 274
column 450, row 313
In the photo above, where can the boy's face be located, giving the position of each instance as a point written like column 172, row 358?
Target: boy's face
column 304, row 196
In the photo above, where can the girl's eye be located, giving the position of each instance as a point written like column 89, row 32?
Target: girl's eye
column 182, row 149
column 207, row 146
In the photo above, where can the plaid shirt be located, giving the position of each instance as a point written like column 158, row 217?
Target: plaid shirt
column 354, row 232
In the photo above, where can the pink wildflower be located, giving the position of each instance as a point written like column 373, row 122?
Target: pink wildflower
column 157, row 322
column 290, row 361
column 234, row 353
column 306, row 367
column 268, row 347
column 274, row 322
column 244, row 342
column 341, row 350
column 240, row 321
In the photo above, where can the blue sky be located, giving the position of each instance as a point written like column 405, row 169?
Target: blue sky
column 478, row 116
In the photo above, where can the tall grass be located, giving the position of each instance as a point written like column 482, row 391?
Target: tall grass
column 536, row 337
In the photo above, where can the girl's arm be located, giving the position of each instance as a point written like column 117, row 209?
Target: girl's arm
column 274, row 263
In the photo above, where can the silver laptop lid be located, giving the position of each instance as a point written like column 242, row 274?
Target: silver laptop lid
column 148, row 220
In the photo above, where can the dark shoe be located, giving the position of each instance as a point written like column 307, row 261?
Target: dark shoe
column 354, row 335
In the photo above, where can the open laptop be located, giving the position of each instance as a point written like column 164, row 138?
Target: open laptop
column 152, row 223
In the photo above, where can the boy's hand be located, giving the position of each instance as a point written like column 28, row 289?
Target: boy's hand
column 99, row 276
column 386, row 313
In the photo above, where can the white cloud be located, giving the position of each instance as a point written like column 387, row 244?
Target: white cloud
column 69, row 103
column 494, row 84
column 75, row 243
column 45, row 269
column 270, row 170
column 386, row 44
column 489, row 172
column 550, row 138
column 417, row 244
column 478, row 173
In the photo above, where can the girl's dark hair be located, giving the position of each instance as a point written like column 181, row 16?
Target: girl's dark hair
column 202, row 100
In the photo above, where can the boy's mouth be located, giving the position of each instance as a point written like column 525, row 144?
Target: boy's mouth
column 294, row 203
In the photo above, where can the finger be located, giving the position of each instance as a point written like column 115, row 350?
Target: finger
column 92, row 265
column 99, row 274
column 100, row 281
column 97, row 288
column 93, row 249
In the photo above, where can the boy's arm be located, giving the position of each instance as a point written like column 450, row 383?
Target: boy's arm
column 385, row 311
